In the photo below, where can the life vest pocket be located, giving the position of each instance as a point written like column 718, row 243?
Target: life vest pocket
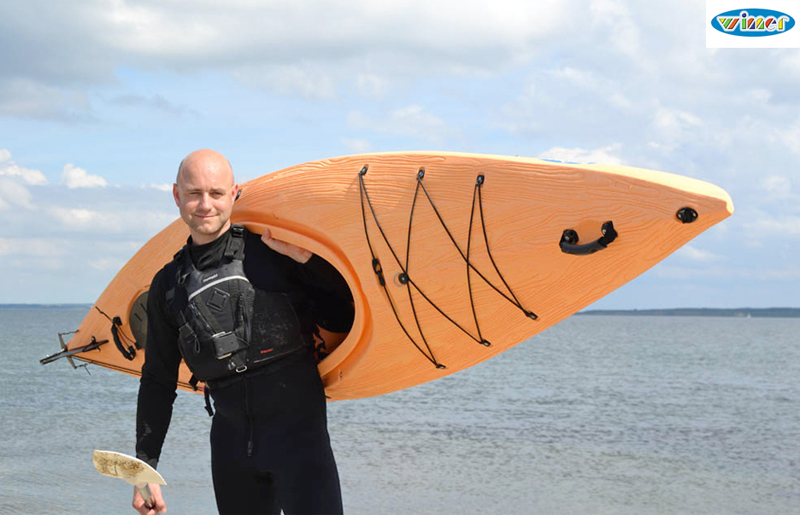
column 209, row 356
column 225, row 344
column 188, row 340
column 275, row 329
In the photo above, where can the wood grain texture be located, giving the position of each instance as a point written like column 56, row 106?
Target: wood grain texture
column 527, row 204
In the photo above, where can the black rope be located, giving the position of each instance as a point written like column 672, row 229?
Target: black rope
column 469, row 276
column 513, row 301
column 433, row 304
column 405, row 277
column 376, row 266
column 103, row 313
column 529, row 314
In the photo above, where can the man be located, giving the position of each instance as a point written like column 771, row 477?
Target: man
column 242, row 312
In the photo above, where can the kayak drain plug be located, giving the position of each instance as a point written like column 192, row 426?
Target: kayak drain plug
column 687, row 215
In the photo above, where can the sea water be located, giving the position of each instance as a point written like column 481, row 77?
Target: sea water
column 613, row 414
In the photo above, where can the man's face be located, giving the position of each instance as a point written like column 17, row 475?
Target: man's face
column 204, row 194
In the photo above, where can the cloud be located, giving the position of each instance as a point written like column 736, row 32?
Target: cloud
column 686, row 273
column 254, row 33
column 5, row 246
column 790, row 61
column 79, row 218
column 36, row 264
column 778, row 186
column 156, row 102
column 70, row 242
column 32, row 247
column 164, row 186
column 673, row 124
column 603, row 88
column 309, row 83
column 12, row 193
column 411, row 121
column 572, row 103
column 26, row 98
column 104, row 264
column 356, row 146
column 110, row 220
column 372, row 86
column 692, row 253
column 617, row 86
column 33, row 253
column 623, row 28
column 790, row 137
column 582, row 78
column 726, row 274
column 775, row 226
column 74, row 177
column 9, row 168
column 79, row 44
column 605, row 155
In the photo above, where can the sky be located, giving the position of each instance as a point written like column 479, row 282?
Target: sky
column 101, row 99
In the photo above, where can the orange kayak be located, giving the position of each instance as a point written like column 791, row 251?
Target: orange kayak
column 451, row 258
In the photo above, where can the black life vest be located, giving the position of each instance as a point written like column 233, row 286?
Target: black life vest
column 226, row 325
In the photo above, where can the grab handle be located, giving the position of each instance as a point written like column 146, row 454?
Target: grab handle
column 569, row 241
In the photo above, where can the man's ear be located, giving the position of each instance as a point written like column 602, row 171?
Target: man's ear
column 175, row 194
column 236, row 192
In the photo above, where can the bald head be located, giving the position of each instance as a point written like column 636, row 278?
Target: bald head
column 204, row 192
column 203, row 158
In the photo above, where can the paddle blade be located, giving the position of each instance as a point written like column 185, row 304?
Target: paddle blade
column 133, row 470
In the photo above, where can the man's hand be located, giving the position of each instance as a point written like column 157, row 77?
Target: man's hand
column 156, row 504
column 299, row 254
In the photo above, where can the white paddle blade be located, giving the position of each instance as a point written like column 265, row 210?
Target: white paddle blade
column 133, row 470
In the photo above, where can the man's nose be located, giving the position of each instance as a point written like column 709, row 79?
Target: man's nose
column 205, row 200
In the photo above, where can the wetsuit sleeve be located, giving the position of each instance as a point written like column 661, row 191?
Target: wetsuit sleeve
column 328, row 293
column 157, row 388
column 321, row 274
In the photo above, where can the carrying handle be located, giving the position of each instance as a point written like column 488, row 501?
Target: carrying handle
column 569, row 241
column 128, row 353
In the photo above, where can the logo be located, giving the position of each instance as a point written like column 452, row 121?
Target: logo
column 206, row 279
column 753, row 23
column 748, row 23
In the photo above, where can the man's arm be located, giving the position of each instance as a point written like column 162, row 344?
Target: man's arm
column 315, row 272
column 157, row 388
column 324, row 286
column 291, row 250
column 328, row 294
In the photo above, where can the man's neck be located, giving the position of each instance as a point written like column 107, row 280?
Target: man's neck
column 202, row 239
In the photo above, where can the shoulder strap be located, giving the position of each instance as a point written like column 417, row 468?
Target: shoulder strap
column 179, row 259
column 235, row 248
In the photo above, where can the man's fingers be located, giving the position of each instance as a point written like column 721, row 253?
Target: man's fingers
column 139, row 504
column 295, row 252
column 157, row 500
column 156, row 504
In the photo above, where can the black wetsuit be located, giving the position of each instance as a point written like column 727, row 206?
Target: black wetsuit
column 269, row 440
